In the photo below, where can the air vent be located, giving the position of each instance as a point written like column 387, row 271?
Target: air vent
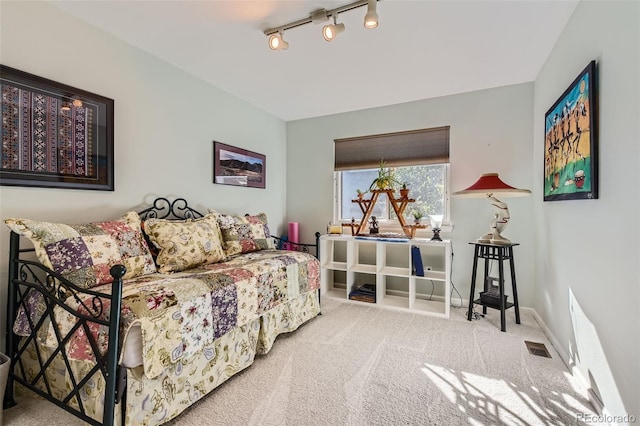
column 538, row 349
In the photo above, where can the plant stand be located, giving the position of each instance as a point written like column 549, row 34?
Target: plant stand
column 399, row 205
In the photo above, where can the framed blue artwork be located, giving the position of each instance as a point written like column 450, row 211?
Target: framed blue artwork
column 571, row 141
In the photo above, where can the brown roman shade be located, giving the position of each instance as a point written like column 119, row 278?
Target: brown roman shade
column 425, row 146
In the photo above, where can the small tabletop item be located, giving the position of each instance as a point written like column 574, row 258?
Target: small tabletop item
column 374, row 227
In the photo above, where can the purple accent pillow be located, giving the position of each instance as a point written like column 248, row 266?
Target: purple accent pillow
column 84, row 253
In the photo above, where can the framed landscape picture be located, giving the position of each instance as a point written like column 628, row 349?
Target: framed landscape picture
column 571, row 145
column 237, row 166
column 54, row 135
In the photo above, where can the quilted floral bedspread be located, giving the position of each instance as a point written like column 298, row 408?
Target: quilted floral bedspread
column 180, row 313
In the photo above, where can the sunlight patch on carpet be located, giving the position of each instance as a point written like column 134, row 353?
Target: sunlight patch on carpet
column 490, row 400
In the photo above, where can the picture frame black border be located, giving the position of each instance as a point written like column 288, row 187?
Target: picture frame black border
column 217, row 146
column 105, row 181
column 591, row 70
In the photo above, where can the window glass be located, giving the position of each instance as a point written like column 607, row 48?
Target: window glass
column 427, row 185
column 352, row 181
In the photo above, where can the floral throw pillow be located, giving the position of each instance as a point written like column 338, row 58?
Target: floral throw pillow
column 84, row 253
column 185, row 244
column 244, row 234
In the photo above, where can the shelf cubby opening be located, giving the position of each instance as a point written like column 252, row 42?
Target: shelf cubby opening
column 394, row 292
column 430, row 306
column 361, row 282
column 426, row 288
column 364, row 259
column 334, row 254
column 433, row 257
column 395, row 260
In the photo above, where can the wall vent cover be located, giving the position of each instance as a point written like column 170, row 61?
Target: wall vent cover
column 538, row 349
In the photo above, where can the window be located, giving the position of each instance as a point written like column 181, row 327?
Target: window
column 427, row 185
column 418, row 158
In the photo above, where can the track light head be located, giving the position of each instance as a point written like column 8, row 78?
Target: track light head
column 371, row 18
column 331, row 31
column 276, row 42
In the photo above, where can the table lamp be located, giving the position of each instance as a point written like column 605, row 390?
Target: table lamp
column 436, row 223
column 489, row 185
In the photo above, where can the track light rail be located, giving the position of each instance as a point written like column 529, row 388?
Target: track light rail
column 308, row 20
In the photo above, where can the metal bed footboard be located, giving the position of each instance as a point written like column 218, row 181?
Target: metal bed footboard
column 27, row 276
column 313, row 249
column 283, row 243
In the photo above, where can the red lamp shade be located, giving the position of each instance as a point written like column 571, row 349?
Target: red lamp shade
column 490, row 184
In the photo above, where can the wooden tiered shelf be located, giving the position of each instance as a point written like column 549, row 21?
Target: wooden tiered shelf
column 398, row 204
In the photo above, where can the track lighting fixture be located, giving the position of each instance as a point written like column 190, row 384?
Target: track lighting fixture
column 319, row 16
column 329, row 32
column 371, row 18
column 276, row 42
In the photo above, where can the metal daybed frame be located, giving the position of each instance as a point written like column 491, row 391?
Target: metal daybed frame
column 27, row 275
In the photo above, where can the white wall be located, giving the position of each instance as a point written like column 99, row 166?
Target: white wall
column 490, row 132
column 587, row 274
column 165, row 122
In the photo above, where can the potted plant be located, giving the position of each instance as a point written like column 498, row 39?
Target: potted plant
column 417, row 215
column 385, row 179
column 361, row 194
column 404, row 191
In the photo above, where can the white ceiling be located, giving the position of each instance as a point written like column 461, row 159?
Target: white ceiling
column 420, row 50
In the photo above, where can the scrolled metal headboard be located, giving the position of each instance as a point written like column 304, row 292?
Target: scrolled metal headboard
column 162, row 208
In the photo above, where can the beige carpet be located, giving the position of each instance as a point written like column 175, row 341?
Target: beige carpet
column 362, row 365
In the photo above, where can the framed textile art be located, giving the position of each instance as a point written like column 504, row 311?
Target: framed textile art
column 571, row 136
column 54, row 135
column 237, row 166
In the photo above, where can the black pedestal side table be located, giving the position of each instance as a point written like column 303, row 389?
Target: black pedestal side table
column 500, row 253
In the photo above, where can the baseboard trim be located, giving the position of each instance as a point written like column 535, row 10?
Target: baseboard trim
column 554, row 341
column 593, row 398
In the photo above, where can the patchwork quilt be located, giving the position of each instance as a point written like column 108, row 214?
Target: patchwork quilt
column 181, row 313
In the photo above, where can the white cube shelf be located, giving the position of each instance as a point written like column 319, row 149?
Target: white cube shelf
column 347, row 263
